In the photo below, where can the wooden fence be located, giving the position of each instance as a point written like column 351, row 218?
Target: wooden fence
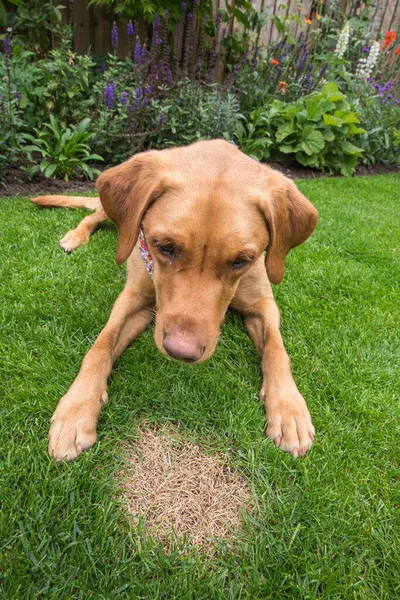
column 92, row 24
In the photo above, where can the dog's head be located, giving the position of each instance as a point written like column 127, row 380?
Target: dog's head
column 208, row 212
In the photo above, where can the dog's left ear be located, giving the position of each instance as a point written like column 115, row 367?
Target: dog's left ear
column 291, row 219
column 126, row 191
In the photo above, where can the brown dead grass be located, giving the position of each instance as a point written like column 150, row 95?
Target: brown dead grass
column 181, row 491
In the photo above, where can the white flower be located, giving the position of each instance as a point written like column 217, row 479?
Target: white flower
column 343, row 40
column 365, row 65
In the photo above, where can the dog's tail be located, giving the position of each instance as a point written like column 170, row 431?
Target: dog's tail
column 68, row 201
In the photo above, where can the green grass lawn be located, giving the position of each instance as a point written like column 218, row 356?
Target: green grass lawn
column 326, row 526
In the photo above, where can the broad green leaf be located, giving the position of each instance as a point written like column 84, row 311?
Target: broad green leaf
column 348, row 165
column 286, row 149
column 331, row 120
column 314, row 110
column 302, row 117
column 312, row 140
column 349, row 148
column 353, row 129
column 329, row 88
column 350, row 118
column 284, row 131
column 328, row 134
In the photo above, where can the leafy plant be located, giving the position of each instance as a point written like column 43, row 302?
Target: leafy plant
column 64, row 151
column 315, row 130
column 35, row 21
column 254, row 138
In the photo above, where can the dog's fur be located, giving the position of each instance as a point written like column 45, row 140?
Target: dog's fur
column 208, row 213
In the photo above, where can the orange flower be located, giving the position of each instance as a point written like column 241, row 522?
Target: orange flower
column 299, row 8
column 282, row 86
column 308, row 20
column 275, row 62
column 390, row 37
column 397, row 53
column 318, row 16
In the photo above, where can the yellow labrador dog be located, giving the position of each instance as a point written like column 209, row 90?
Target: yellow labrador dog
column 214, row 229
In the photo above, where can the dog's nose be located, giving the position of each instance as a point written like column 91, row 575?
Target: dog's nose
column 183, row 347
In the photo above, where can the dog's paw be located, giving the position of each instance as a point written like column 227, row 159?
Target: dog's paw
column 289, row 423
column 73, row 426
column 72, row 240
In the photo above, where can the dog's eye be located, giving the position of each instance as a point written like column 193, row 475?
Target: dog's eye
column 168, row 250
column 239, row 263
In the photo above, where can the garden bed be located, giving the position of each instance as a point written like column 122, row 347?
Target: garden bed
column 16, row 184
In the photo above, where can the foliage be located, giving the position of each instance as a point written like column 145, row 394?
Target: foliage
column 36, row 21
column 58, row 83
column 381, row 118
column 197, row 112
column 65, row 152
column 315, row 130
column 11, row 121
column 147, row 9
column 195, row 78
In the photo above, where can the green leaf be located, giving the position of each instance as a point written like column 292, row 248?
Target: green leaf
column 353, row 129
column 329, row 88
column 312, row 140
column 349, row 148
column 350, row 118
column 3, row 15
column 286, row 149
column 284, row 131
column 328, row 134
column 82, row 126
column 50, row 170
column 348, row 165
column 314, row 110
column 331, row 120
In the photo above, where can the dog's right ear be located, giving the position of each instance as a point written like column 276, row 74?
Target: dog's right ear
column 126, row 191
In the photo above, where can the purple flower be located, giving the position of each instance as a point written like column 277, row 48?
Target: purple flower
column 323, row 71
column 143, row 55
column 130, row 30
column 114, row 36
column 138, row 96
column 389, row 96
column 166, row 13
column 157, row 21
column 365, row 49
column 397, row 101
column 137, row 52
column 160, row 119
column 183, row 6
column 7, row 43
column 123, row 98
column 302, row 62
column 109, row 94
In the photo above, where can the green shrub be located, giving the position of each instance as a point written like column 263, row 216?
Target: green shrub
column 64, row 151
column 315, row 131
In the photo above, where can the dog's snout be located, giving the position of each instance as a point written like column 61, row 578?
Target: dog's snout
column 186, row 348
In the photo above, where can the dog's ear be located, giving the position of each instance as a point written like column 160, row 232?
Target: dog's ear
column 126, row 191
column 291, row 219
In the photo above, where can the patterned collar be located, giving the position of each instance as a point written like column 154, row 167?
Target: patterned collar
column 144, row 251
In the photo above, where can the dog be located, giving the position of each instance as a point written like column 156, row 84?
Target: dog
column 215, row 226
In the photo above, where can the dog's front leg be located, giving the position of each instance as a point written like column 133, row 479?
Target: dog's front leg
column 73, row 426
column 289, row 420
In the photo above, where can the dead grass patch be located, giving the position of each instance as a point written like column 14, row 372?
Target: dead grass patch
column 180, row 490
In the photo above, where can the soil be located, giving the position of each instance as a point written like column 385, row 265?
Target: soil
column 17, row 184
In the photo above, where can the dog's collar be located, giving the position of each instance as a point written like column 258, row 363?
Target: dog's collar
column 145, row 252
